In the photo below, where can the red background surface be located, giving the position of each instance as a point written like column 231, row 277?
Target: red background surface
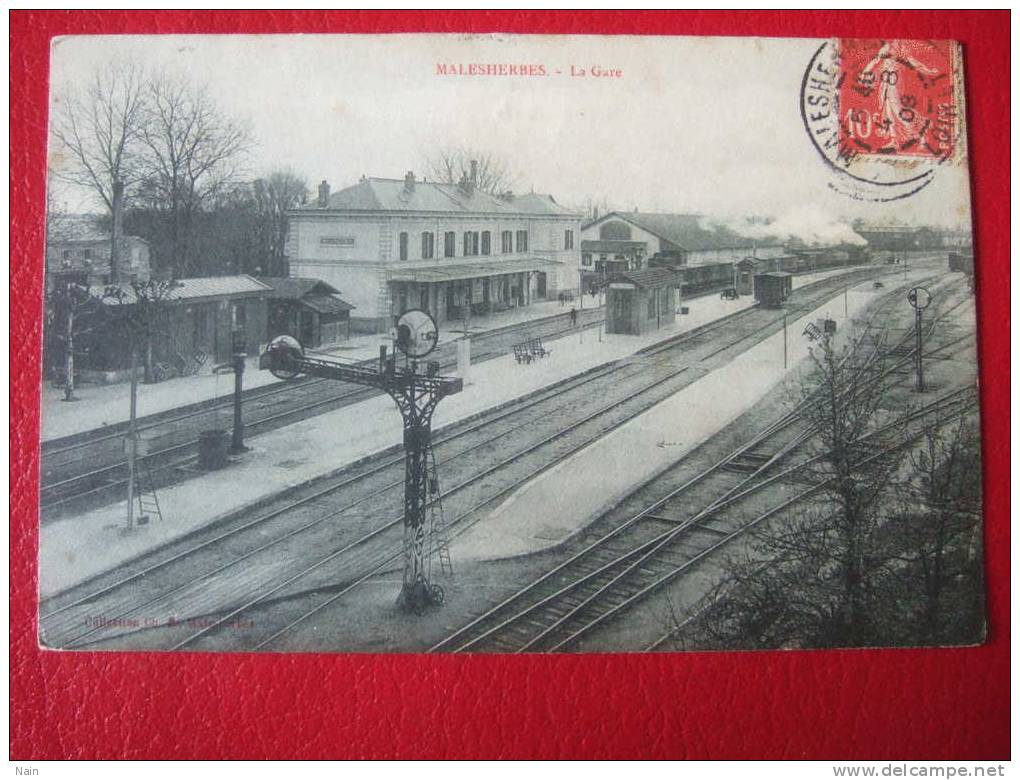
column 853, row 704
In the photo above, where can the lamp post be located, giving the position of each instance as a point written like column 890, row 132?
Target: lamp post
column 240, row 353
column 920, row 299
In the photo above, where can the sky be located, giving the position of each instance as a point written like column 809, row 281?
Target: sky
column 692, row 125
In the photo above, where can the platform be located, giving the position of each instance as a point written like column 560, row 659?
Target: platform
column 76, row 548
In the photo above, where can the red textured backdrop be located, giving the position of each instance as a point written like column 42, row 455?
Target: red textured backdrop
column 853, row 704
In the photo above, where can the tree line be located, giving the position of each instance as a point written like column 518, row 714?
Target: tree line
column 173, row 168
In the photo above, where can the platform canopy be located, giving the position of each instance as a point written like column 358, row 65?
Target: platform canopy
column 448, row 272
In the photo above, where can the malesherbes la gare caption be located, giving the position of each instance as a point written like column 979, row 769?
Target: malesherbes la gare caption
column 525, row 69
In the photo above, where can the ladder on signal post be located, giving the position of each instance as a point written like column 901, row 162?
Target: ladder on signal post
column 438, row 537
column 148, row 501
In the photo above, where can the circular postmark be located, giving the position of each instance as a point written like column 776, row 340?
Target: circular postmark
column 882, row 114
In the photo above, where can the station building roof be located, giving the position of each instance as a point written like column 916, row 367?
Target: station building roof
column 373, row 194
column 687, row 232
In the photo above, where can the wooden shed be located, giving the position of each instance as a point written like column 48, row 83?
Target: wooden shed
column 641, row 301
column 743, row 275
column 772, row 289
column 308, row 309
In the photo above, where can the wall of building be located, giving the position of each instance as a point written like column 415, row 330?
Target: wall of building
column 354, row 252
column 635, row 310
column 93, row 259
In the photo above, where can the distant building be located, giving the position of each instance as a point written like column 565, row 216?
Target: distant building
column 308, row 309
column 890, row 237
column 396, row 244
column 629, row 240
column 78, row 250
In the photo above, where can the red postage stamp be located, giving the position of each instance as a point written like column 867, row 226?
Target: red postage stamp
column 883, row 113
column 896, row 97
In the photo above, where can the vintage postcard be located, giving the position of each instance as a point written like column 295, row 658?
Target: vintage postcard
column 494, row 343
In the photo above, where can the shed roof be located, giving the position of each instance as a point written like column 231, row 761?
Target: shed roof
column 651, row 277
column 297, row 287
column 327, row 304
column 207, row 287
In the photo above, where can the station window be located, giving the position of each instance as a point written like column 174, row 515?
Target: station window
column 522, row 240
column 506, row 242
column 470, row 243
column 87, row 254
column 486, row 242
column 449, row 244
column 568, row 239
column 586, row 259
column 403, row 246
column 428, row 245
column 651, row 305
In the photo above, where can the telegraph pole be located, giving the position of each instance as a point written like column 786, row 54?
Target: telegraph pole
column 237, row 339
column 785, row 347
column 132, row 437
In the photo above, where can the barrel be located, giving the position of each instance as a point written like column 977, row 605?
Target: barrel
column 212, row 449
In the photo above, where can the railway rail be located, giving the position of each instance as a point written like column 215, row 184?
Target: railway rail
column 664, row 539
column 72, row 480
column 85, row 470
column 211, row 576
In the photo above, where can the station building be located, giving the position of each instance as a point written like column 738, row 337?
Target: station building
column 451, row 249
column 622, row 240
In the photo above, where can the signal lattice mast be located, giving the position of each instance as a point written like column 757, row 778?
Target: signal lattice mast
column 416, row 395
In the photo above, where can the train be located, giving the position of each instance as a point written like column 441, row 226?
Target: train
column 710, row 277
column 962, row 261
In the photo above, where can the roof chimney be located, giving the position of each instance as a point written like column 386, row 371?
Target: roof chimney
column 323, row 194
column 474, row 173
column 409, row 181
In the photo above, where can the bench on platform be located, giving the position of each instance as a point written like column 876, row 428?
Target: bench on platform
column 536, row 348
column 530, row 349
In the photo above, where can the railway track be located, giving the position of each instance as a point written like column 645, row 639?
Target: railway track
column 263, row 560
column 82, row 471
column 664, row 538
column 85, row 469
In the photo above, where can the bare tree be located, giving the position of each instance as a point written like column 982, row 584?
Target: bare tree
column 193, row 153
column 97, row 133
column 845, row 393
column 451, row 165
column 820, row 578
column 938, row 534
column 274, row 196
